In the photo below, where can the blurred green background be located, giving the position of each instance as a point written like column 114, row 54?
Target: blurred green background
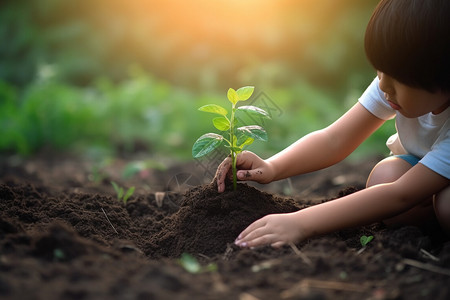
column 127, row 76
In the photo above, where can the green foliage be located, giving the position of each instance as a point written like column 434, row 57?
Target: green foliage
column 364, row 240
column 45, row 113
column 121, row 194
column 191, row 264
column 84, row 40
column 239, row 137
column 153, row 114
column 54, row 115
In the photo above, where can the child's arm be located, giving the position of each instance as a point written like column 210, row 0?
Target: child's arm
column 313, row 152
column 364, row 207
column 328, row 146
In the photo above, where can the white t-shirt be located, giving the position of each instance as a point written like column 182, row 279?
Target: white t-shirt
column 427, row 137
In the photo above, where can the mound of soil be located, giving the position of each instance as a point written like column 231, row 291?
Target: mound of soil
column 62, row 237
column 207, row 222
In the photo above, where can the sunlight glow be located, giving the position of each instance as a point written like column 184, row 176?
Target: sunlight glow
column 240, row 40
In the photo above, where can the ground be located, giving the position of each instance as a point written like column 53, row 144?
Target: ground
column 65, row 235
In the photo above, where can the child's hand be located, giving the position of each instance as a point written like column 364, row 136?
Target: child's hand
column 275, row 230
column 249, row 167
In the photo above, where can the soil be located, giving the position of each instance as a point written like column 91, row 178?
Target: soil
column 65, row 235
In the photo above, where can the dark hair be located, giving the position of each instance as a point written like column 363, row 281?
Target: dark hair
column 409, row 41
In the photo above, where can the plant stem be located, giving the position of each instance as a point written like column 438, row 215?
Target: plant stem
column 233, row 156
column 233, row 153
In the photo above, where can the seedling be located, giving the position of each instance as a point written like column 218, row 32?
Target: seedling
column 364, row 240
column 191, row 264
column 121, row 195
column 238, row 137
column 58, row 254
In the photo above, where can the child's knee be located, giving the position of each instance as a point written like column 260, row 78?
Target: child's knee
column 442, row 208
column 388, row 170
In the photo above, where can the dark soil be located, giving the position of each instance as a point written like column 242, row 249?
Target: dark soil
column 64, row 235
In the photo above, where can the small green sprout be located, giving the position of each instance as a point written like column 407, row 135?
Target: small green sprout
column 58, row 254
column 238, row 137
column 191, row 264
column 121, row 195
column 364, row 240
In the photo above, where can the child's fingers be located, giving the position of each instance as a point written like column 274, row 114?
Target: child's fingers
column 254, row 175
column 259, row 237
column 245, row 162
column 221, row 174
column 246, row 159
column 252, row 167
column 251, row 229
column 266, row 239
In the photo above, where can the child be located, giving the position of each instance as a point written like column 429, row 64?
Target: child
column 407, row 41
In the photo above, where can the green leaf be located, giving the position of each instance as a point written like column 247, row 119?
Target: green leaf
column 234, row 141
column 115, row 186
column 364, row 240
column 214, row 108
column 221, row 123
column 254, row 111
column 118, row 189
column 254, row 131
column 246, row 141
column 205, row 144
column 245, row 92
column 190, row 263
column 232, row 96
column 128, row 194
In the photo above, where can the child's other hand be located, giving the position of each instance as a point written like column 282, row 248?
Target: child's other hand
column 249, row 167
column 275, row 230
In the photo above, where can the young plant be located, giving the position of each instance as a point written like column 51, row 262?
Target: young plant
column 237, row 137
column 121, row 195
column 191, row 264
column 364, row 240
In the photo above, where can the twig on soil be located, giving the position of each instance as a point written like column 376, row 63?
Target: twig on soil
column 204, row 256
column 428, row 255
column 361, row 250
column 109, row 220
column 427, row 267
column 228, row 252
column 301, row 254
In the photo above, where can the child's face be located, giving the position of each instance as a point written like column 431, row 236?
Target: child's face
column 412, row 102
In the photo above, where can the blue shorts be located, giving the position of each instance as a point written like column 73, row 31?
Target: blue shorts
column 411, row 159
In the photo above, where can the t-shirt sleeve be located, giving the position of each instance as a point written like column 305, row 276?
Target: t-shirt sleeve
column 373, row 100
column 438, row 159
